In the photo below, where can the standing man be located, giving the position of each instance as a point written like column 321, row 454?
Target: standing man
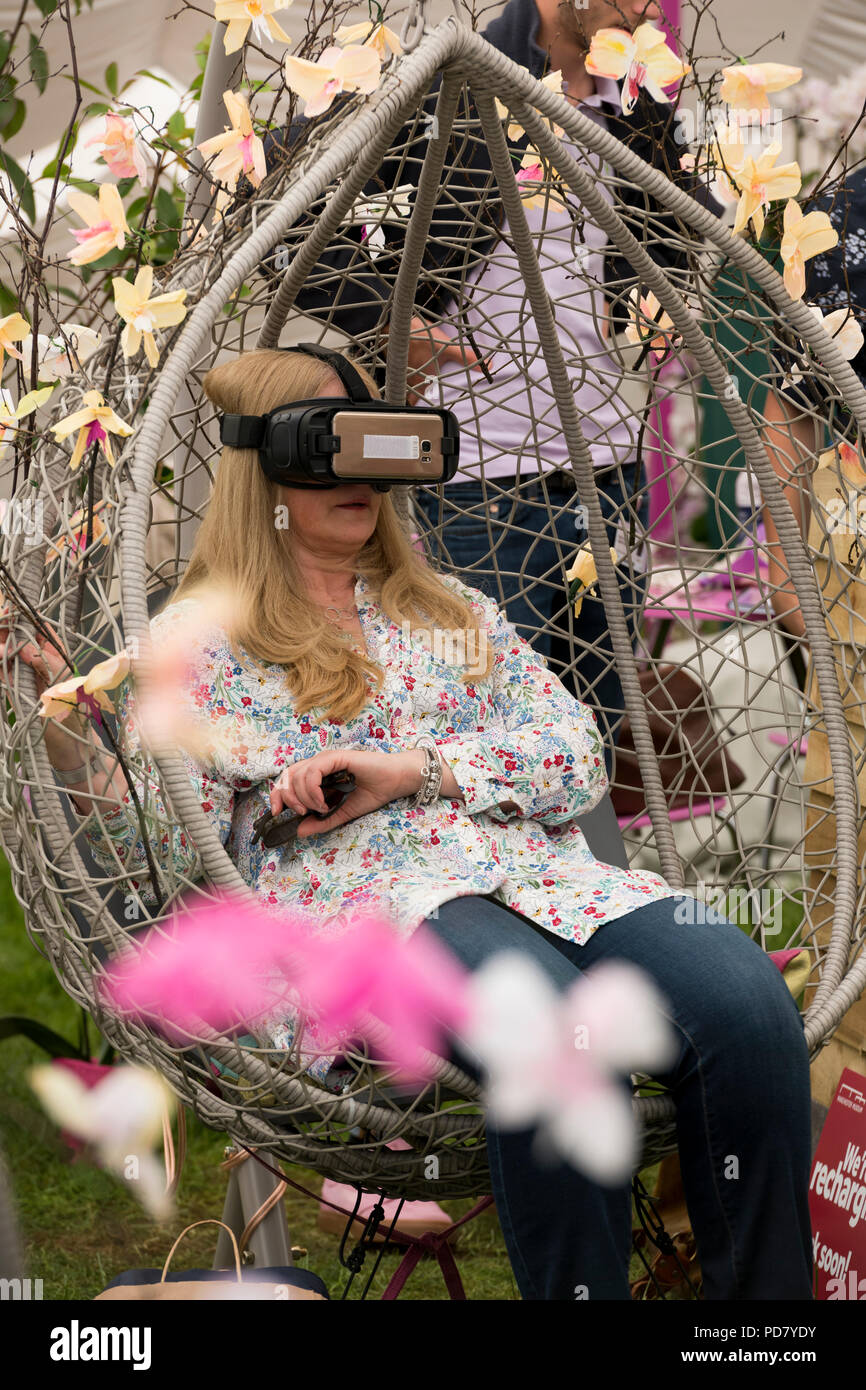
column 511, row 521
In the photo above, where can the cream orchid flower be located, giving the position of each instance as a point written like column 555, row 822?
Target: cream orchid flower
column 126, row 156
column 11, row 415
column 354, row 69
column 94, row 422
column 643, row 59
column 842, row 327
column 77, row 538
column 760, row 184
column 106, row 228
column 648, row 318
column 804, row 236
column 553, row 83
column 60, row 699
column 746, row 85
column 532, row 176
column 851, row 464
column 63, row 352
column 239, row 150
column 583, row 576
column 239, row 15
column 378, row 36
column 372, row 214
column 723, row 156
column 13, row 328
column 121, row 1117
column 143, row 315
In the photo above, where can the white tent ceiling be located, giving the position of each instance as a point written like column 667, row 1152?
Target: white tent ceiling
column 826, row 36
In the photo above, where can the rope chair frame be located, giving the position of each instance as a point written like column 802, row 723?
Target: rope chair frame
column 273, row 1105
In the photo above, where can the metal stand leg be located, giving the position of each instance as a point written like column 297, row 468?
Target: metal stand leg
column 270, row 1243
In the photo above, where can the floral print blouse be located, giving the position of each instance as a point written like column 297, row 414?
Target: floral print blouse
column 516, row 736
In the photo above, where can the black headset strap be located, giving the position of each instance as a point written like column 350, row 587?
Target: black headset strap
column 351, row 378
column 248, row 431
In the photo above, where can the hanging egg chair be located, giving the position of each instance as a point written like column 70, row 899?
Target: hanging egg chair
column 275, row 270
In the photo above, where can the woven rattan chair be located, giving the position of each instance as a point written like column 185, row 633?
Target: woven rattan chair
column 243, row 275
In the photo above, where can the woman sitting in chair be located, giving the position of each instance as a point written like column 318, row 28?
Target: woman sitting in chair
column 338, row 665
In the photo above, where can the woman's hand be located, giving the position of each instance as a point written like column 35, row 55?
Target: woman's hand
column 379, row 778
column 45, row 657
column 63, row 741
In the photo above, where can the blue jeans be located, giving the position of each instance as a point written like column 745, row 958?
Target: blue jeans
column 740, row 1084
column 515, row 544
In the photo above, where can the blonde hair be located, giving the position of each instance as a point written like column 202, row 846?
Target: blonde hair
column 239, row 547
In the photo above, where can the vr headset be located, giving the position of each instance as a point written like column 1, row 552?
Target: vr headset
column 330, row 440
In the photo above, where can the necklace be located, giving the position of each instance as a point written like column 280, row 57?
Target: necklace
column 334, row 614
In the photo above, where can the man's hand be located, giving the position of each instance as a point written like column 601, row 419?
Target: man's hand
column 429, row 346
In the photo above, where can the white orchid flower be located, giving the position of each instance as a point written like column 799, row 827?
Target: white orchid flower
column 121, row 1117
column 557, row 1061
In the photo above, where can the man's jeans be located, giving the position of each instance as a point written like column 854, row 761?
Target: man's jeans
column 740, row 1083
column 516, row 545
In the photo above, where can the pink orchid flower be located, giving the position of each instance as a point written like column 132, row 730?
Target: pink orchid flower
column 641, row 59
column 214, row 966
column 106, row 228
column 353, row 69
column 229, row 963
column 413, row 988
column 126, row 156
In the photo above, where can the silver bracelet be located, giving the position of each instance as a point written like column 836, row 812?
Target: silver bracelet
column 72, row 776
column 431, row 776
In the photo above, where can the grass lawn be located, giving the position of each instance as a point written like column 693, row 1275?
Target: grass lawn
column 81, row 1227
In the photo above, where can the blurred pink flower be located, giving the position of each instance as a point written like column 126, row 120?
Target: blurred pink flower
column 229, row 963
column 213, row 966
column 414, row 988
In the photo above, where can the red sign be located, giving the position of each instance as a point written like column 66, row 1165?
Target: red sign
column 837, row 1194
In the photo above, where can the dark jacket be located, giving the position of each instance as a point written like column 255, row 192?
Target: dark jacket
column 834, row 280
column 352, row 290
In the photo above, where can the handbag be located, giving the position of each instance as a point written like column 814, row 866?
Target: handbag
column 261, row 1285
column 693, row 762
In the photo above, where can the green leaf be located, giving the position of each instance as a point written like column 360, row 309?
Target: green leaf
column 177, row 126
column 4, row 48
column 135, row 209
column 38, row 63
column 95, row 108
column 22, row 185
column 167, row 208
column 111, row 78
column 8, row 300
column 82, row 82
column 154, row 77
column 50, row 170
column 12, row 113
column 47, row 6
